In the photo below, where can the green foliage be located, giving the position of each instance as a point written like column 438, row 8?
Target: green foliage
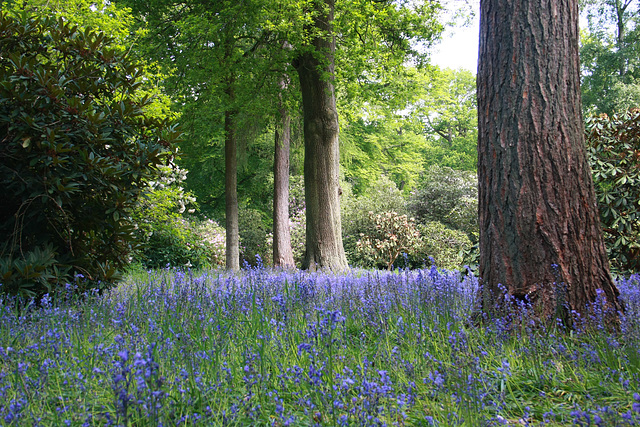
column 442, row 244
column 381, row 147
column 445, row 111
column 225, row 58
column 376, row 40
column 166, row 235
column 613, row 146
column 427, row 114
column 394, row 234
column 378, row 36
column 214, row 46
column 610, row 56
column 253, row 236
column 382, row 196
column 169, row 244
column 447, row 196
column 183, row 242
column 375, row 87
column 604, row 88
column 30, row 274
column 76, row 150
column 100, row 15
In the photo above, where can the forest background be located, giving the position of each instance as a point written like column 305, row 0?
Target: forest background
column 408, row 129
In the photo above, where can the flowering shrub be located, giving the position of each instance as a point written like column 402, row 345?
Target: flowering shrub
column 210, row 241
column 367, row 246
column 383, row 196
column 394, row 234
column 166, row 191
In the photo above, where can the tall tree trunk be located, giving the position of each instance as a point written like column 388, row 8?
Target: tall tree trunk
column 231, row 187
column 321, row 163
column 282, row 253
column 540, row 233
column 621, row 7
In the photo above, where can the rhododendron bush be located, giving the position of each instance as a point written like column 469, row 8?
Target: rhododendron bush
column 394, row 234
column 613, row 147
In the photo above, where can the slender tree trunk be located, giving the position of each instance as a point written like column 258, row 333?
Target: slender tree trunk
column 231, row 188
column 620, row 24
column 321, row 164
column 540, row 233
column 282, row 253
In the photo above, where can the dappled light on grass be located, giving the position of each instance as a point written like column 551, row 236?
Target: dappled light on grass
column 277, row 348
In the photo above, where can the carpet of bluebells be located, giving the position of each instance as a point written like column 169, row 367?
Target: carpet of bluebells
column 299, row 349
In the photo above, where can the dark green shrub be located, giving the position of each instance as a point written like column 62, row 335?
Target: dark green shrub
column 170, row 244
column 166, row 234
column 613, row 147
column 183, row 242
column 76, row 149
column 448, row 196
column 444, row 245
column 253, row 236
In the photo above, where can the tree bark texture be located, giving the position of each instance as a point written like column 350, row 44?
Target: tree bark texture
column 282, row 253
column 232, row 253
column 321, row 163
column 540, row 235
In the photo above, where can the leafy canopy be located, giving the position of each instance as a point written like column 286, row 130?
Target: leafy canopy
column 610, row 56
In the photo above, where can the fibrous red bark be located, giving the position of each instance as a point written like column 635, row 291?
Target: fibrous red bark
column 540, row 233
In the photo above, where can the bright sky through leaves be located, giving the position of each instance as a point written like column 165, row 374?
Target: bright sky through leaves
column 459, row 46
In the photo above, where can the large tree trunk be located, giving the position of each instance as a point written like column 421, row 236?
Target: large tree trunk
column 231, row 189
column 540, row 233
column 282, row 253
column 321, row 163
